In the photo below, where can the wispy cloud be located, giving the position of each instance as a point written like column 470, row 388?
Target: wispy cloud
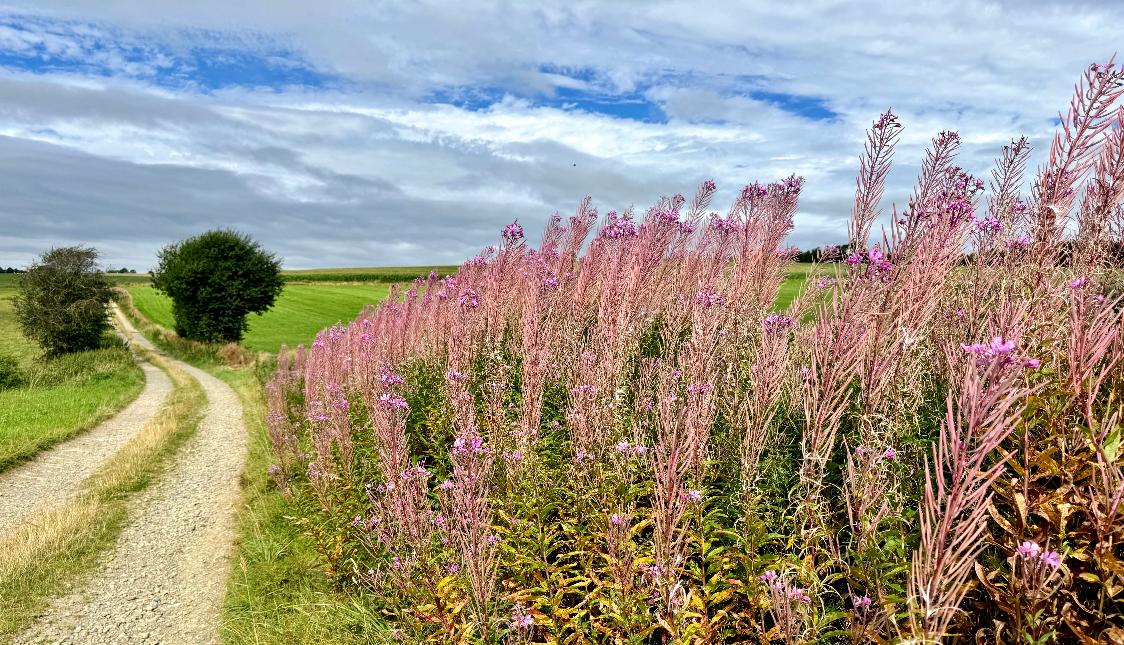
column 389, row 133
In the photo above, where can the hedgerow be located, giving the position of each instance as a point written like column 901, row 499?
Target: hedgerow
column 616, row 440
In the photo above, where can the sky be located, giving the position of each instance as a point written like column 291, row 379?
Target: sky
column 365, row 133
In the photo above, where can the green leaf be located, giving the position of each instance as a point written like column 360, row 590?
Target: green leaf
column 1112, row 444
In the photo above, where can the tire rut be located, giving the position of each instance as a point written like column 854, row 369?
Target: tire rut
column 165, row 578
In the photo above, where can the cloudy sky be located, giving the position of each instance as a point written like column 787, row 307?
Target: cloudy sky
column 366, row 133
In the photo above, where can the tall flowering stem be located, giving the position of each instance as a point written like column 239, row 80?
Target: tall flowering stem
column 874, row 165
column 958, row 485
column 467, row 512
column 1073, row 153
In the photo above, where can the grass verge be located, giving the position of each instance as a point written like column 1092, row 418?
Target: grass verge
column 60, row 547
column 276, row 594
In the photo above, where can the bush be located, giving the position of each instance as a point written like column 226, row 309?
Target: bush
column 215, row 280
column 60, row 302
column 10, row 374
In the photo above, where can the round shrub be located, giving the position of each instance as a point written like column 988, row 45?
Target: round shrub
column 215, row 280
column 60, row 302
column 11, row 376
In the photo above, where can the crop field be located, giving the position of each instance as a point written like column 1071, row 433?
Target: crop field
column 58, row 397
column 365, row 274
column 300, row 312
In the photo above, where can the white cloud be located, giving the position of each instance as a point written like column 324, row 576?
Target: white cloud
column 366, row 172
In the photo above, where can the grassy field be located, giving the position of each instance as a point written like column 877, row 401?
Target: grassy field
column 8, row 280
column 346, row 274
column 300, row 311
column 58, row 397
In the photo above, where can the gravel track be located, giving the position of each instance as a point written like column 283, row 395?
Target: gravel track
column 55, row 475
column 164, row 580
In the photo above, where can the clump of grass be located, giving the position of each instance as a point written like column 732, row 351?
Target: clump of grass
column 11, row 376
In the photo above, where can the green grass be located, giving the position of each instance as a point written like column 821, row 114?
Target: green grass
column 300, row 311
column 58, row 397
column 276, row 594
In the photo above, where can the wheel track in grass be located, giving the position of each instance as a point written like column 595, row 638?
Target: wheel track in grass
column 164, row 580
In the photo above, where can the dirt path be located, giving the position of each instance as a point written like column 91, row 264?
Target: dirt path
column 55, row 475
column 164, row 580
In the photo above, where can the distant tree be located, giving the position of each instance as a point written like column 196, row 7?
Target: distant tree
column 60, row 301
column 215, row 280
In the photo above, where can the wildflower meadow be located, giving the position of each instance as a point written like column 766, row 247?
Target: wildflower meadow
column 611, row 434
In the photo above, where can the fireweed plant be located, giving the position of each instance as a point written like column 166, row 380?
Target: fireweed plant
column 611, row 438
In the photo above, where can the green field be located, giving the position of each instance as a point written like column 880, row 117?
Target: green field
column 300, row 311
column 58, row 397
column 365, row 274
column 8, row 280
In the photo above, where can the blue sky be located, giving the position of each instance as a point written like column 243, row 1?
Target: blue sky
column 392, row 133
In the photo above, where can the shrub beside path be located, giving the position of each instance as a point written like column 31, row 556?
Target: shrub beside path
column 164, row 580
column 56, row 475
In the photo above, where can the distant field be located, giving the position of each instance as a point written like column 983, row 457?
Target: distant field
column 61, row 396
column 300, row 311
column 8, row 280
column 351, row 274
column 365, row 274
